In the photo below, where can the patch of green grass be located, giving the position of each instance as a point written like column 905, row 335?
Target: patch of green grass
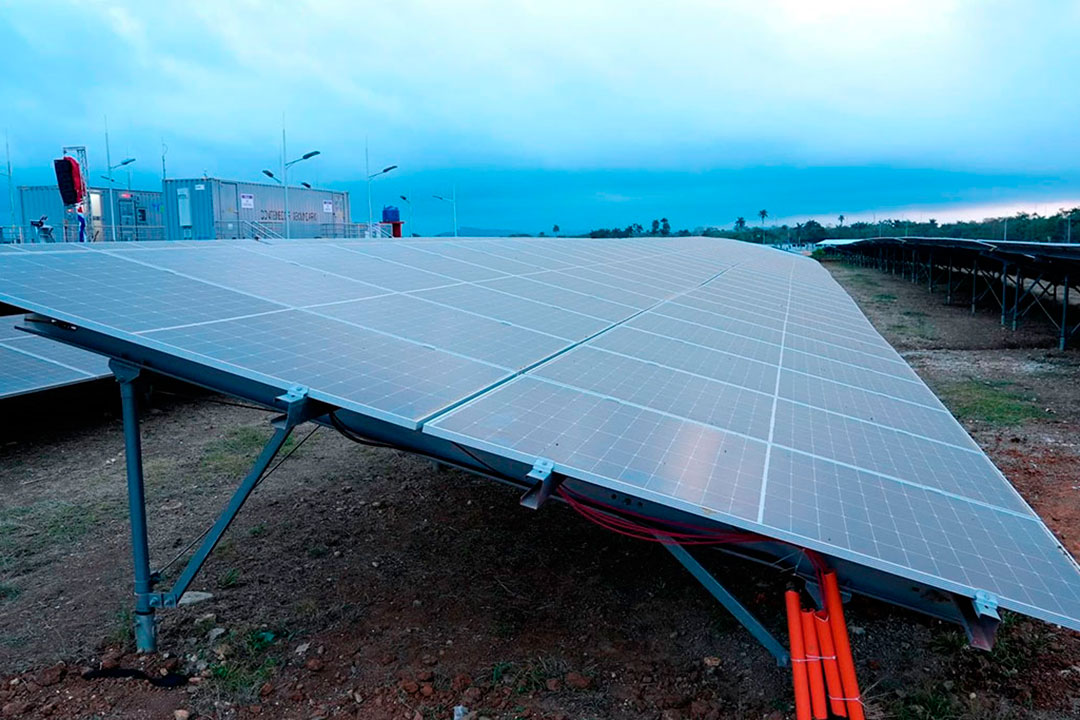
column 249, row 663
column 28, row 531
column 1017, row 644
column 239, row 680
column 318, row 551
column 921, row 328
column 257, row 530
column 948, row 642
column 934, row 703
column 528, row 676
column 229, row 578
column 234, row 454
column 122, row 632
column 258, row 640
column 8, row 592
column 995, row 402
column 884, row 298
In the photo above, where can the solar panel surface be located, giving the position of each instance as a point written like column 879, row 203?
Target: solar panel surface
column 29, row 364
column 724, row 379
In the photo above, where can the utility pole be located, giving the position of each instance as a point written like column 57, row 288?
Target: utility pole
column 285, row 177
column 11, row 183
column 367, row 172
column 164, row 152
column 108, row 164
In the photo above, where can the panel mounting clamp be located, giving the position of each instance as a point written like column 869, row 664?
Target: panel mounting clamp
column 299, row 407
column 979, row 617
column 543, row 472
column 986, row 604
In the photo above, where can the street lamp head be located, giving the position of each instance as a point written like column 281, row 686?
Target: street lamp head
column 389, row 168
column 128, row 161
column 307, row 185
column 403, row 198
column 308, row 156
column 272, row 176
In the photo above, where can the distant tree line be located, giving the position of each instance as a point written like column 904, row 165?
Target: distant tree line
column 1028, row 227
column 658, row 228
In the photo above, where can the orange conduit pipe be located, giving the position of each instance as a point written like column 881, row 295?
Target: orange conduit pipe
column 835, row 608
column 798, row 656
column 828, row 663
column 813, row 666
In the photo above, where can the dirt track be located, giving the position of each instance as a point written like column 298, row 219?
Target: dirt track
column 364, row 583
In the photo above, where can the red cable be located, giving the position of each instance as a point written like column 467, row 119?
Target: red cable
column 614, row 522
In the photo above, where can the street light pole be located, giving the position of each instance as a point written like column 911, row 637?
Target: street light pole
column 285, row 179
column 371, row 176
column 409, row 203
column 367, row 171
column 453, row 203
column 108, row 164
column 11, row 183
column 113, row 212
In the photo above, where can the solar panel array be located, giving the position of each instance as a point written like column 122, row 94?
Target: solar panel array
column 30, row 364
column 728, row 380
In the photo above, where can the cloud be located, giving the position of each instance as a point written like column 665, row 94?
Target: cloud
column 582, row 86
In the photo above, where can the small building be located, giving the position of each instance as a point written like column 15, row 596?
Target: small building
column 137, row 214
column 206, row 208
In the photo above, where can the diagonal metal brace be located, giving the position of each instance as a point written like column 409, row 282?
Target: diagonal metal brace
column 729, row 601
column 547, row 480
column 299, row 408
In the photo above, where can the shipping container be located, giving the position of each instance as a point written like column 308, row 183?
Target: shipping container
column 208, row 208
column 137, row 214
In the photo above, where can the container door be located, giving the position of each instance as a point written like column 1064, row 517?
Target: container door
column 183, row 212
column 126, row 220
column 227, row 203
column 95, row 223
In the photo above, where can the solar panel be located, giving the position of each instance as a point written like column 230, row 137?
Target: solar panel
column 30, row 364
column 719, row 378
column 350, row 366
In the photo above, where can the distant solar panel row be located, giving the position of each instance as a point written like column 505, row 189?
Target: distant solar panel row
column 30, row 364
column 727, row 380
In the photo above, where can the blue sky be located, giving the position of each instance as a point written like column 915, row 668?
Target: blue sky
column 581, row 113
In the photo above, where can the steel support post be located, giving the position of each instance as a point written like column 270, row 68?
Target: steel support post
column 145, row 625
column 1064, row 337
column 729, row 601
column 1016, row 297
column 299, row 409
column 1004, row 289
column 948, row 293
column 974, row 282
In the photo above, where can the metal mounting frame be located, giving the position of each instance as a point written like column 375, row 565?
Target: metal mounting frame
column 731, row 603
column 298, row 409
column 130, row 359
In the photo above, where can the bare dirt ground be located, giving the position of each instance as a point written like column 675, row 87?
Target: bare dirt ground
column 364, row 583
